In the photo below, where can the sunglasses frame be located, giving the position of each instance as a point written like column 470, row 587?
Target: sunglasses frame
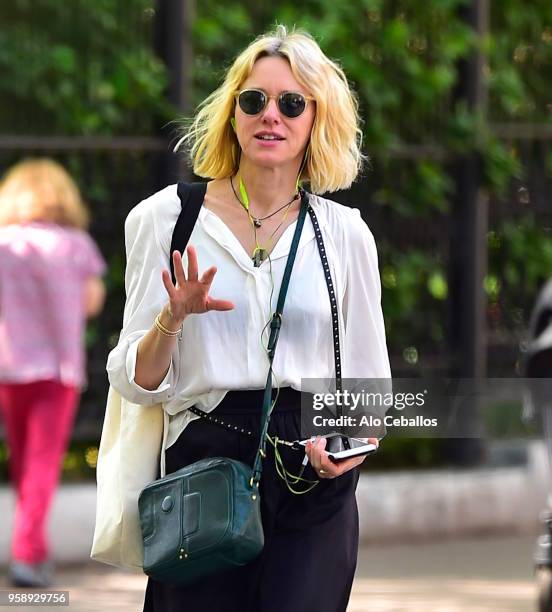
column 277, row 98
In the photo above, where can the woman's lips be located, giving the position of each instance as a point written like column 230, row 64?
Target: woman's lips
column 268, row 143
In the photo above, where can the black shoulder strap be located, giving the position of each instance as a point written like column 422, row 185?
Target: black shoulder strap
column 191, row 199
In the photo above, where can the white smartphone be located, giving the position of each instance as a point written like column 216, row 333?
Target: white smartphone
column 339, row 449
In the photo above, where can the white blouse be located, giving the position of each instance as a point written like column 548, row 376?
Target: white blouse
column 222, row 351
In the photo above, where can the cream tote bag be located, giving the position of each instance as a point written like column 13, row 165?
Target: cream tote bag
column 128, row 459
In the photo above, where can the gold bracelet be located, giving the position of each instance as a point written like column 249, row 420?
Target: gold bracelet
column 164, row 330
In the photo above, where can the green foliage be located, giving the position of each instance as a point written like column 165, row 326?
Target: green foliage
column 414, row 282
column 80, row 68
column 520, row 261
column 503, row 420
column 521, row 60
column 501, row 165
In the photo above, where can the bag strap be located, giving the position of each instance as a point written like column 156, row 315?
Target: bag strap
column 275, row 325
column 191, row 199
column 335, row 320
column 331, row 294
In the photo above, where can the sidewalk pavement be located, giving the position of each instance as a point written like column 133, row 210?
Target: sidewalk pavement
column 463, row 570
column 480, row 575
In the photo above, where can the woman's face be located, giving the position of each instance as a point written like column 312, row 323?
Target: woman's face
column 273, row 75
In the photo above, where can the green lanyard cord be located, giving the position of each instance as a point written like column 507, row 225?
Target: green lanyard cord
column 288, row 477
column 283, row 473
column 263, row 251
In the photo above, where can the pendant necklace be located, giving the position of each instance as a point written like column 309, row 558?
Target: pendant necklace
column 257, row 221
column 260, row 253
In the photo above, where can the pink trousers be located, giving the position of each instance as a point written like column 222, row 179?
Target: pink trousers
column 38, row 419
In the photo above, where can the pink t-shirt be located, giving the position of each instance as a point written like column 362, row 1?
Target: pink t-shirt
column 43, row 269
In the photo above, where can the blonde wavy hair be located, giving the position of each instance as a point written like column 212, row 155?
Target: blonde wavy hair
column 334, row 157
column 41, row 190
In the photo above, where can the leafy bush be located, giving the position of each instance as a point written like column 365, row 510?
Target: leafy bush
column 91, row 70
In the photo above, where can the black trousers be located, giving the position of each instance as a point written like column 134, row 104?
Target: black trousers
column 311, row 540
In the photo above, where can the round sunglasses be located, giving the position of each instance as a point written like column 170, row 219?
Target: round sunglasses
column 290, row 103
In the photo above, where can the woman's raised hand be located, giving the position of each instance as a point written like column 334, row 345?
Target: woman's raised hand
column 191, row 295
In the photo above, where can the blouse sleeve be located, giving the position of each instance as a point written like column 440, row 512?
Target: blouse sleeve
column 145, row 297
column 365, row 348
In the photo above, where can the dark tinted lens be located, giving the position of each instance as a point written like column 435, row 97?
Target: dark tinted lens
column 292, row 104
column 251, row 102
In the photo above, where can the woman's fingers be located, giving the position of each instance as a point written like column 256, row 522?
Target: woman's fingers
column 214, row 304
column 178, row 269
column 167, row 281
column 323, row 466
column 318, row 457
column 193, row 268
column 208, row 276
column 192, row 263
column 349, row 464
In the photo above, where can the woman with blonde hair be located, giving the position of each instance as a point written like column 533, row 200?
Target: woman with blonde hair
column 50, row 282
column 283, row 117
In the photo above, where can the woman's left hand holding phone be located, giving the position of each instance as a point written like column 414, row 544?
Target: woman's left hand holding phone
column 323, row 466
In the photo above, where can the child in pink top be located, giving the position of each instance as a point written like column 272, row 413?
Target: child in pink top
column 50, row 283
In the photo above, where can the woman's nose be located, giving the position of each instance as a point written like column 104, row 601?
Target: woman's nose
column 271, row 111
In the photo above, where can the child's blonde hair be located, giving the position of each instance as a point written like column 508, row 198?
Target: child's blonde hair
column 41, row 190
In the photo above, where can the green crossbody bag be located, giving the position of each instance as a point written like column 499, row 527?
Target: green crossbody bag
column 206, row 517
